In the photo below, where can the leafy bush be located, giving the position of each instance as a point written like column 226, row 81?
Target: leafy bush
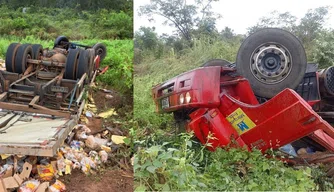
column 48, row 23
column 324, row 51
column 119, row 60
column 183, row 165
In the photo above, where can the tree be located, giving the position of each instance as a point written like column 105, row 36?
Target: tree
column 146, row 38
column 280, row 20
column 184, row 17
column 227, row 33
column 307, row 30
column 311, row 24
column 324, row 49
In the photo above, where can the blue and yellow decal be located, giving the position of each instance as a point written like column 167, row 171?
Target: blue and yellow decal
column 240, row 121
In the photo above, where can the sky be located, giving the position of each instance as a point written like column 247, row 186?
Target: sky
column 241, row 14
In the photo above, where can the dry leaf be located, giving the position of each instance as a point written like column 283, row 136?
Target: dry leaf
column 108, row 113
column 117, row 139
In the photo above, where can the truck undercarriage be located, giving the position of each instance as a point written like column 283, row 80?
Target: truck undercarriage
column 42, row 95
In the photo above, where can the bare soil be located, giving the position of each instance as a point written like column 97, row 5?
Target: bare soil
column 115, row 176
column 111, row 180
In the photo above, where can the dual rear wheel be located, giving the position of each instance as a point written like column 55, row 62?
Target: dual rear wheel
column 78, row 61
column 18, row 54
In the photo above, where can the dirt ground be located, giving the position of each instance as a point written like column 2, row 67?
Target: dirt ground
column 111, row 180
column 112, row 177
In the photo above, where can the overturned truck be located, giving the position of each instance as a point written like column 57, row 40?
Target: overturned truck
column 42, row 94
column 269, row 98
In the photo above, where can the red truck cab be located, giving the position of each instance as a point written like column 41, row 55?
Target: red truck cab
column 221, row 108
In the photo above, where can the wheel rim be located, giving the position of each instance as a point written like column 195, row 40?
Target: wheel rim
column 99, row 51
column 271, row 63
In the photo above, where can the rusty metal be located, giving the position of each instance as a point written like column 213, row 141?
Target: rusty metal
column 61, row 58
column 23, row 78
column 59, row 89
column 50, row 63
column 28, row 70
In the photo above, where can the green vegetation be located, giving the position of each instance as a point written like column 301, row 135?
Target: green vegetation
column 41, row 25
column 91, row 5
column 169, row 161
column 48, row 23
column 185, row 165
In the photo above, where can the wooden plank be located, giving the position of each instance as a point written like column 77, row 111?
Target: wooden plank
column 80, row 96
column 93, row 78
column 35, row 109
column 3, row 96
column 35, row 149
column 48, row 111
column 82, row 80
column 34, row 101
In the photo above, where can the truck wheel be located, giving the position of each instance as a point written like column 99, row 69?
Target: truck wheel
column 10, row 56
column 71, row 64
column 216, row 62
column 101, row 50
column 60, row 42
column 37, row 49
column 83, row 61
column 272, row 60
column 24, row 52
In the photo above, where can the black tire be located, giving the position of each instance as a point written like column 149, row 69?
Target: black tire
column 101, row 50
column 71, row 64
column 82, row 66
column 60, row 41
column 283, row 73
column 91, row 63
column 10, row 56
column 216, row 62
column 37, row 49
column 24, row 52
